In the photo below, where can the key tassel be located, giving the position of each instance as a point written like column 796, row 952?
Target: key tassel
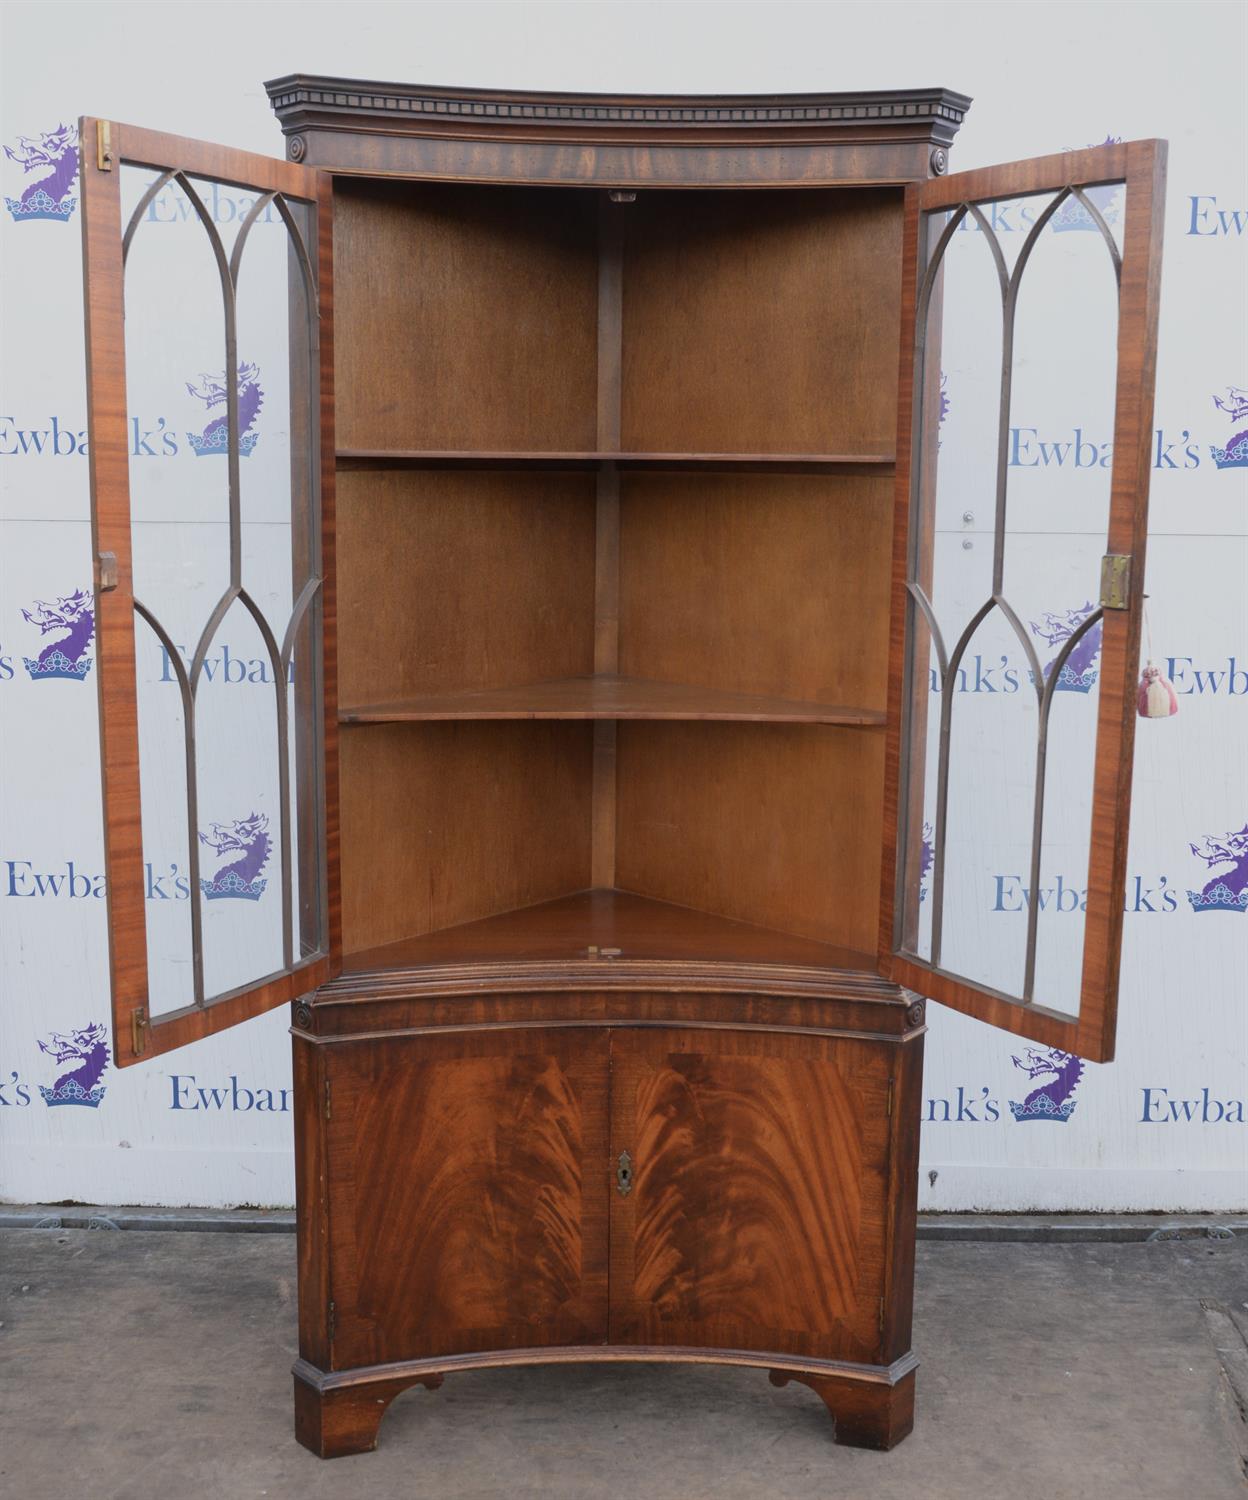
column 1156, row 698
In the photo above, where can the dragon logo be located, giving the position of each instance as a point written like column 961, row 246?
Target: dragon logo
column 56, row 154
column 212, row 390
column 1235, row 454
column 241, row 879
column 73, row 618
column 1073, row 216
column 1228, row 891
column 1079, row 671
column 925, row 860
column 1048, row 1101
column 81, row 1058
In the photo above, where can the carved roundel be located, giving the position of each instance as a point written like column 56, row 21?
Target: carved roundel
column 295, row 147
column 914, row 1013
column 303, row 1015
column 940, row 161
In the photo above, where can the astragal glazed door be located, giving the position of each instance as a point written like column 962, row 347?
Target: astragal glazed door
column 209, row 368
column 1029, row 332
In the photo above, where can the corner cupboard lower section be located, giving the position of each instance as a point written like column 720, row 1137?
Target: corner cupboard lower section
column 514, row 1193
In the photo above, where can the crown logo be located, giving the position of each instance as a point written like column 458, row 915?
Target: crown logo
column 241, row 879
column 74, row 615
column 83, row 1055
column 1072, row 215
column 1229, row 890
column 1048, row 1101
column 1235, row 454
column 1079, row 671
column 212, row 391
column 49, row 197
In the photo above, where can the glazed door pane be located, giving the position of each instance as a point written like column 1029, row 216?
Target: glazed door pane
column 203, row 314
column 1029, row 335
column 757, row 1175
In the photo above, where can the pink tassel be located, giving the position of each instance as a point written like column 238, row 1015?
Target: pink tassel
column 1156, row 698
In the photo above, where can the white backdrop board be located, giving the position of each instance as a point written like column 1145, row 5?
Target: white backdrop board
column 1165, row 1126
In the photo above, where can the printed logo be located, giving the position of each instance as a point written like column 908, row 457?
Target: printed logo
column 73, row 617
column 1049, row 1101
column 1228, row 891
column 1073, row 216
column 925, row 861
column 241, row 879
column 1079, row 671
column 1235, row 454
column 83, row 1056
column 212, row 391
column 50, row 196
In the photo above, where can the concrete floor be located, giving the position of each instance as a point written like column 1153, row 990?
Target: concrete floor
column 142, row 1365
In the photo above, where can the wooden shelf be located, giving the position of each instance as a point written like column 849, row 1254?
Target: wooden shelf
column 606, row 696
column 759, row 463
column 617, row 925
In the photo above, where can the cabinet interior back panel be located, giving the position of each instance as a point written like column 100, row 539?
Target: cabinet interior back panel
column 774, row 824
column 758, row 583
column 443, row 823
column 455, row 581
column 465, row 317
column 762, row 322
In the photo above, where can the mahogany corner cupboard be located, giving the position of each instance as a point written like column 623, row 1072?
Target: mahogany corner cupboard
column 596, row 638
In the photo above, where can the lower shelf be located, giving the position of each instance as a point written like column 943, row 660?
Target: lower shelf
column 606, row 924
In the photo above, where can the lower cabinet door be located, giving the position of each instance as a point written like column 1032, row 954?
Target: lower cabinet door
column 749, row 1201
column 467, row 1193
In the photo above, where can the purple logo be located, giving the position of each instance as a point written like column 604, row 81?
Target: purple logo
column 56, row 154
column 211, row 390
column 1235, row 454
column 1073, row 216
column 82, row 1056
column 1048, row 1101
column 1079, row 671
column 73, row 614
column 1228, row 891
column 925, row 860
column 241, row 878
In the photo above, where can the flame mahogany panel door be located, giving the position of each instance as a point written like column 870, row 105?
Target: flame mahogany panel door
column 195, row 257
column 1036, row 782
column 757, row 1216
column 467, row 1193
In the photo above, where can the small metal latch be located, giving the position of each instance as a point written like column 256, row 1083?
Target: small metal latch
column 624, row 1175
column 103, row 146
column 1115, row 580
column 618, row 195
column 108, row 572
column 138, row 1031
column 593, row 951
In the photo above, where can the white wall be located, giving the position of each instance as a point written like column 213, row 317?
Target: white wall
column 1161, row 1128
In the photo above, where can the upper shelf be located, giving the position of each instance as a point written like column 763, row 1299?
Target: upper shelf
column 609, row 697
column 776, row 463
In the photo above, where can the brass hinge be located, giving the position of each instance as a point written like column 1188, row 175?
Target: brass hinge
column 1115, row 580
column 881, row 1317
column 138, row 1031
column 329, row 1109
column 331, row 1321
column 108, row 572
column 103, row 146
column 889, row 1108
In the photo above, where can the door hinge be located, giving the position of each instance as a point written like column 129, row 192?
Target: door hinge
column 103, row 146
column 138, row 1031
column 329, row 1109
column 1115, row 580
column 881, row 1317
column 888, row 1110
column 331, row 1321
column 108, row 572
column 624, row 1175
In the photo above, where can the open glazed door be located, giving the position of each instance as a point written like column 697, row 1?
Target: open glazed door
column 1029, row 330
column 209, row 368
